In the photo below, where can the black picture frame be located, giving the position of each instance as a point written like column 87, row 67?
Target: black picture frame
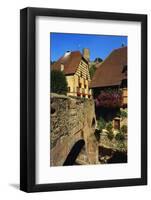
column 28, row 98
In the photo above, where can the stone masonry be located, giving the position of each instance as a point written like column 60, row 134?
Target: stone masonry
column 72, row 119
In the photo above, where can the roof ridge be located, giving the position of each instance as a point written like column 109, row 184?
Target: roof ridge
column 110, row 54
column 109, row 71
column 120, row 48
column 70, row 62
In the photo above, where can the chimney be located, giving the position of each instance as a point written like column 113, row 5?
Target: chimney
column 86, row 54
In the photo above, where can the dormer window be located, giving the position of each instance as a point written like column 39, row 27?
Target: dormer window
column 62, row 67
column 67, row 53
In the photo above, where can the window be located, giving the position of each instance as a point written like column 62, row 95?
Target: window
column 62, row 66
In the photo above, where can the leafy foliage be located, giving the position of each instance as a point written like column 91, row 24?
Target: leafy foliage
column 122, row 114
column 58, row 82
column 92, row 71
column 124, row 129
column 110, row 135
column 98, row 59
column 120, row 136
column 109, row 128
column 101, row 123
column 52, row 62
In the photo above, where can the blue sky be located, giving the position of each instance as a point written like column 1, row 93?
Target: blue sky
column 99, row 45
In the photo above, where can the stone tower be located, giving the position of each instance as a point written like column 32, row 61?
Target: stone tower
column 86, row 54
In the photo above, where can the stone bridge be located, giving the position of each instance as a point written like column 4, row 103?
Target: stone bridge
column 72, row 136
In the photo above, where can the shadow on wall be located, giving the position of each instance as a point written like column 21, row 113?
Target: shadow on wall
column 118, row 157
column 106, row 113
column 73, row 154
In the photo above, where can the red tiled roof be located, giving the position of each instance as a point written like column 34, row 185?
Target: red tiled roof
column 70, row 61
column 109, row 73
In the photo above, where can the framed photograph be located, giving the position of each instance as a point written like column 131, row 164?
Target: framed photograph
column 83, row 99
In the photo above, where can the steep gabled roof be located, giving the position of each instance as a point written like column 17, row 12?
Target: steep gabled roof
column 70, row 61
column 110, row 71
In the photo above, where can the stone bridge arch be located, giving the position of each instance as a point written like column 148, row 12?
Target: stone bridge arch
column 72, row 120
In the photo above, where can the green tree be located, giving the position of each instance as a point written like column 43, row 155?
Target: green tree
column 120, row 136
column 52, row 62
column 124, row 129
column 98, row 59
column 101, row 123
column 58, row 82
column 123, row 114
column 110, row 135
column 92, row 71
column 109, row 128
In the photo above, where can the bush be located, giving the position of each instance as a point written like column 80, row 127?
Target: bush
column 123, row 114
column 118, row 114
column 101, row 123
column 119, row 136
column 124, row 129
column 109, row 126
column 58, row 82
column 109, row 98
column 110, row 135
